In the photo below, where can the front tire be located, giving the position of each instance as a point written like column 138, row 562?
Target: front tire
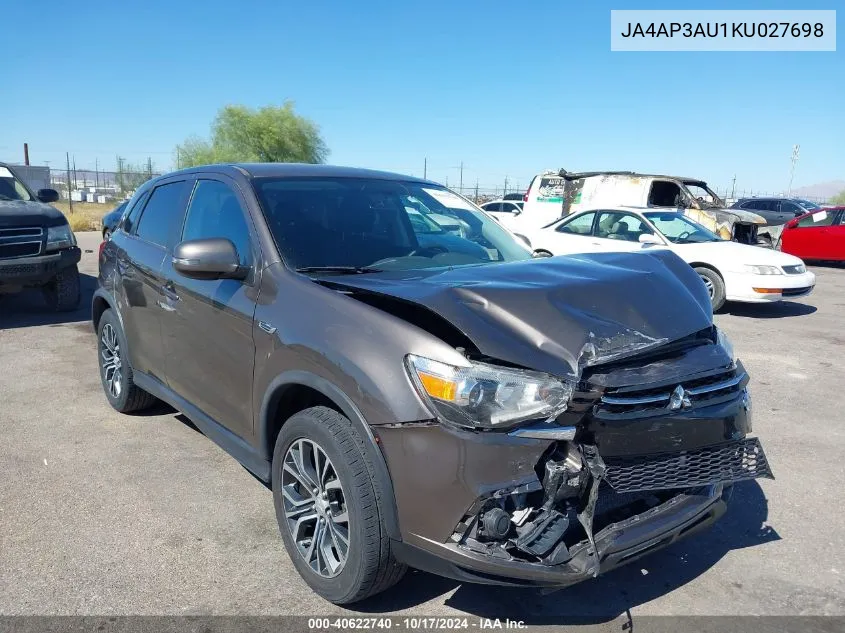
column 62, row 292
column 715, row 286
column 328, row 510
column 116, row 374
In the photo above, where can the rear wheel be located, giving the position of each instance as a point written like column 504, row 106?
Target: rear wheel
column 61, row 293
column 328, row 510
column 714, row 284
column 116, row 372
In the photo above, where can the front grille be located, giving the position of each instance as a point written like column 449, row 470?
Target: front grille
column 794, row 270
column 23, row 241
column 720, row 464
column 645, row 401
column 795, row 292
column 20, row 249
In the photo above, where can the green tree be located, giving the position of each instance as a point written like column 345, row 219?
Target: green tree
column 267, row 135
column 838, row 199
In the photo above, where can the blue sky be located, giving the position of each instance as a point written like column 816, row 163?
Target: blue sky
column 507, row 88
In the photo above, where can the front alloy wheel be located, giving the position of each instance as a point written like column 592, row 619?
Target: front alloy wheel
column 709, row 285
column 111, row 364
column 315, row 508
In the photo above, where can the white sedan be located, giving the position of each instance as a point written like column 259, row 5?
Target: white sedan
column 730, row 271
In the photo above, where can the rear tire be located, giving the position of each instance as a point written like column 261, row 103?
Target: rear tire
column 62, row 292
column 343, row 494
column 116, row 374
column 715, row 286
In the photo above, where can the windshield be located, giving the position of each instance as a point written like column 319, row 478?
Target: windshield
column 705, row 196
column 11, row 188
column 810, row 206
column 361, row 224
column 679, row 229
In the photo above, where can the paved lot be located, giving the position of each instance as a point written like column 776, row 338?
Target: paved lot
column 108, row 514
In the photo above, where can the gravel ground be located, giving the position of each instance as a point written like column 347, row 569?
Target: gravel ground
column 108, row 514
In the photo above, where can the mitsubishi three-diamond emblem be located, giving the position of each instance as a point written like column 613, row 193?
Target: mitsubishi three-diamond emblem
column 679, row 399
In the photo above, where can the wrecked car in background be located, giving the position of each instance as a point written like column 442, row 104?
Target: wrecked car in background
column 473, row 412
column 594, row 190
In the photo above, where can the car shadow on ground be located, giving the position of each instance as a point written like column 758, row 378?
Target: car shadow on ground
column 605, row 598
column 27, row 308
column 779, row 310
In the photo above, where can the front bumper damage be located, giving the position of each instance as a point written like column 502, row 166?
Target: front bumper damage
column 578, row 516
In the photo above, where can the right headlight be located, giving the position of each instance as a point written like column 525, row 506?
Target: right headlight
column 480, row 395
column 59, row 237
column 763, row 270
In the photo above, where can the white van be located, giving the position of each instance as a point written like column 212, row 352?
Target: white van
column 542, row 203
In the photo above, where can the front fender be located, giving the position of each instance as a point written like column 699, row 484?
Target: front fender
column 382, row 480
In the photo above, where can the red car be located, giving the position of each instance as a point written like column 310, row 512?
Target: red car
column 819, row 234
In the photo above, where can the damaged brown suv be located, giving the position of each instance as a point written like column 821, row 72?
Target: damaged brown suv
column 415, row 387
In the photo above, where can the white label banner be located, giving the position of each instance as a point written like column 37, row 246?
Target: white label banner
column 728, row 30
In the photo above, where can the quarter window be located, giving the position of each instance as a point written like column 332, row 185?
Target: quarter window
column 216, row 212
column 162, row 208
column 134, row 212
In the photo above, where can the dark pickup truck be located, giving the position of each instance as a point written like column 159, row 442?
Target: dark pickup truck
column 37, row 247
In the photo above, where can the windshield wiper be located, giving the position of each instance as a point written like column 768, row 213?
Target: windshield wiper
column 343, row 270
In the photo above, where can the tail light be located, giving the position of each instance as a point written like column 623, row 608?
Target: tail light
column 791, row 224
column 525, row 197
column 102, row 246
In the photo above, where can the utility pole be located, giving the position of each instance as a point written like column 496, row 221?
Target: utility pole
column 461, row 185
column 150, row 167
column 26, row 154
column 119, row 179
column 795, row 149
column 733, row 188
column 97, row 173
column 69, row 197
column 75, row 186
column 425, row 167
column 476, row 191
column 505, row 190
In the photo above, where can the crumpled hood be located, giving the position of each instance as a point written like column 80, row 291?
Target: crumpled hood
column 557, row 314
column 29, row 213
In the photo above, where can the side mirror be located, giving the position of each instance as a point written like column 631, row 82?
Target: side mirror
column 47, row 195
column 648, row 238
column 524, row 239
column 214, row 258
column 517, row 212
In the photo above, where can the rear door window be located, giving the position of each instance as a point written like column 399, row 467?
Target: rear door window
column 580, row 225
column 163, row 208
column 616, row 225
column 819, row 218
